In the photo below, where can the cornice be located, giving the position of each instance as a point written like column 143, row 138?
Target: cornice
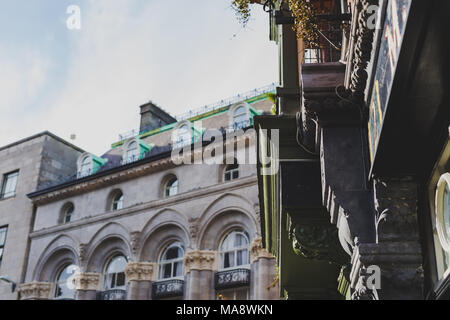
column 154, row 204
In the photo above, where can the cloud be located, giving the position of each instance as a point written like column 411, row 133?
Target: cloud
column 179, row 54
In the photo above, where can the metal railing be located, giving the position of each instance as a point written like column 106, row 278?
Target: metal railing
column 167, row 289
column 232, row 278
column 330, row 40
column 211, row 107
column 113, row 294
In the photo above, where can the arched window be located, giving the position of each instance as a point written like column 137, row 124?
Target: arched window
column 132, row 152
column 117, row 201
column 67, row 214
column 183, row 136
column 64, row 289
column 85, row 167
column 240, row 118
column 231, row 172
column 115, row 273
column 171, row 261
column 171, row 188
column 234, row 250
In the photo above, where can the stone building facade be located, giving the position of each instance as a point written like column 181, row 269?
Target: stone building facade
column 136, row 224
column 25, row 166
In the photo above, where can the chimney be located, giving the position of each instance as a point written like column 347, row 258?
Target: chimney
column 153, row 117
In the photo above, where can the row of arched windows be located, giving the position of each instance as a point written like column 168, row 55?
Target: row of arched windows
column 234, row 253
column 116, row 200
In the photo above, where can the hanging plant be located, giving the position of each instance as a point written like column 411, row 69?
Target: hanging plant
column 306, row 22
column 305, row 17
column 242, row 9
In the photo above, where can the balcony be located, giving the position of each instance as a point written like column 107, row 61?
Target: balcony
column 232, row 278
column 168, row 289
column 115, row 294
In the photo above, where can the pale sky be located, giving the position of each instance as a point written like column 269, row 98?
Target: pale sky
column 90, row 82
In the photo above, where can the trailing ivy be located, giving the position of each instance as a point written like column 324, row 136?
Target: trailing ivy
column 242, row 9
column 304, row 13
column 306, row 22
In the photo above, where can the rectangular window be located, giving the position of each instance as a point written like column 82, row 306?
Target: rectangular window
column 3, row 231
column 9, row 184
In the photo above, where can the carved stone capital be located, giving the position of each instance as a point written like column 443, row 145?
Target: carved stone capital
column 257, row 251
column 199, row 260
column 87, row 281
column 140, row 271
column 35, row 291
column 317, row 242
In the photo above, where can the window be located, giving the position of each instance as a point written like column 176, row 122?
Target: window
column 62, row 288
column 442, row 218
column 183, row 136
column 171, row 262
column 132, row 152
column 231, row 172
column 117, row 203
column 234, row 250
column 233, row 294
column 9, row 184
column 115, row 273
column 240, row 118
column 312, row 56
column 3, row 231
column 68, row 213
column 171, row 187
column 85, row 167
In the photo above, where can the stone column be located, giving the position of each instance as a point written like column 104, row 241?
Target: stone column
column 392, row 267
column 35, row 291
column 86, row 285
column 199, row 268
column 264, row 283
column 139, row 279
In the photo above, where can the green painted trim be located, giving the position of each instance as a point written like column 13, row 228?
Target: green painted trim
column 203, row 116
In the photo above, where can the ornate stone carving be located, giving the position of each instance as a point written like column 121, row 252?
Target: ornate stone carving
column 87, row 281
column 135, row 242
column 396, row 207
column 199, row 260
column 140, row 271
column 82, row 251
column 35, row 291
column 318, row 242
column 362, row 49
column 193, row 227
column 257, row 251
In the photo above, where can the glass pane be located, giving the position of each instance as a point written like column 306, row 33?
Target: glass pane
column 10, row 184
column 235, row 174
column 118, row 264
column 228, row 260
column 178, row 269
column 2, row 236
column 62, row 285
column 166, row 271
column 120, row 279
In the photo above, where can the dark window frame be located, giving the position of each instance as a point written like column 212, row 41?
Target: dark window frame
column 6, row 177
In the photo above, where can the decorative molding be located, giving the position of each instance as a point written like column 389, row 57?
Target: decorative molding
column 193, row 227
column 87, row 281
column 257, row 251
column 199, row 260
column 140, row 271
column 362, row 49
column 35, row 291
column 154, row 204
column 82, row 252
column 317, row 242
column 135, row 237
